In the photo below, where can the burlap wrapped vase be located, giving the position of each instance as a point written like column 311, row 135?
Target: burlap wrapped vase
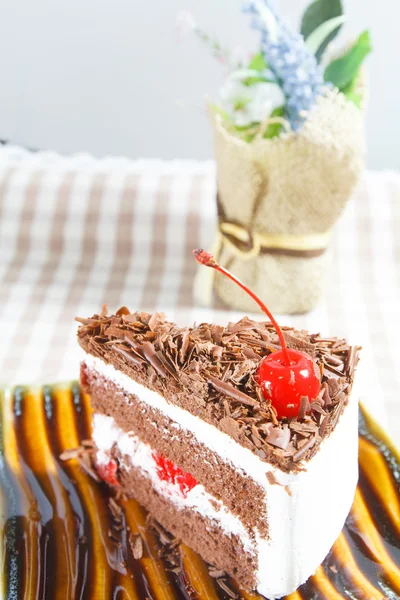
column 278, row 200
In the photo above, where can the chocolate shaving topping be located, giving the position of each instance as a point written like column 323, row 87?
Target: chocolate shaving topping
column 128, row 355
column 88, row 322
column 324, row 426
column 334, row 360
column 304, row 407
column 279, row 437
column 132, row 342
column 326, row 394
column 155, row 320
column 230, row 390
column 249, row 353
column 217, row 352
column 185, row 345
column 304, row 428
column 334, row 386
column 333, row 370
column 351, row 361
column 166, row 364
column 150, row 354
column 231, row 427
column 316, row 406
column 256, row 440
column 298, row 455
column 297, row 342
column 114, row 331
column 211, row 371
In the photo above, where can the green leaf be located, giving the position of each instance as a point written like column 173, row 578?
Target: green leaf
column 250, row 76
column 274, row 129
column 220, row 111
column 322, row 33
column 252, row 80
column 342, row 71
column 318, row 13
column 257, row 63
column 353, row 92
column 245, row 127
column 241, row 103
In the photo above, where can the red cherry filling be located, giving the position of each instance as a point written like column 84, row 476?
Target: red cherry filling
column 169, row 472
column 284, row 376
column 108, row 472
column 285, row 384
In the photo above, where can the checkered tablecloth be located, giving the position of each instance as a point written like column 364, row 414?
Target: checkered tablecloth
column 78, row 232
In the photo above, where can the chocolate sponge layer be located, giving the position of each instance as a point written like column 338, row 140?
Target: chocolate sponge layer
column 207, row 539
column 239, row 493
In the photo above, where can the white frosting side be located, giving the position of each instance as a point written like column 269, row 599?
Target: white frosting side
column 302, row 526
column 137, row 454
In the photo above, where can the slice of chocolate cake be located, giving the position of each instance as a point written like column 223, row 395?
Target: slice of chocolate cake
column 240, row 440
column 184, row 422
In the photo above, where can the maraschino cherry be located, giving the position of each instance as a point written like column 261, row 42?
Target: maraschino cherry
column 169, row 472
column 285, row 376
column 108, row 472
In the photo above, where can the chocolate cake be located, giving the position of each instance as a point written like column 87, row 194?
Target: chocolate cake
column 182, row 423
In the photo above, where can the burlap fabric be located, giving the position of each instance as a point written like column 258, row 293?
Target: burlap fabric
column 294, row 186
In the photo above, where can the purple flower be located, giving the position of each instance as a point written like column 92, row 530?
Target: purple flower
column 286, row 54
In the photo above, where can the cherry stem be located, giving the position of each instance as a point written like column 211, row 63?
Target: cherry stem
column 204, row 258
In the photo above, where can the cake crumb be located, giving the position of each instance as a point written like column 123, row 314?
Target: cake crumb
column 114, row 538
column 226, row 588
column 136, row 544
column 70, row 454
column 333, row 568
column 215, row 573
column 115, row 509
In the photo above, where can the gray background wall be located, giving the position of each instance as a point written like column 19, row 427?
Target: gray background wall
column 108, row 76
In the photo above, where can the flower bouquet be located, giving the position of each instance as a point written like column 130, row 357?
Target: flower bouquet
column 289, row 148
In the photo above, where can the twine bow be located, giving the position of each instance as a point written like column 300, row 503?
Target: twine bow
column 246, row 245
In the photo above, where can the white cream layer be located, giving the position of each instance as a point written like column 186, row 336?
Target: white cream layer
column 136, row 453
column 302, row 525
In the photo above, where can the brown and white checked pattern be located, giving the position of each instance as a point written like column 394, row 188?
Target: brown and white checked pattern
column 77, row 232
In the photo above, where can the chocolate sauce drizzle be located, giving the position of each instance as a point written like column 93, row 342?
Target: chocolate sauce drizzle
column 64, row 535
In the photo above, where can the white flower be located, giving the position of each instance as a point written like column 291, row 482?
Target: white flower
column 247, row 104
